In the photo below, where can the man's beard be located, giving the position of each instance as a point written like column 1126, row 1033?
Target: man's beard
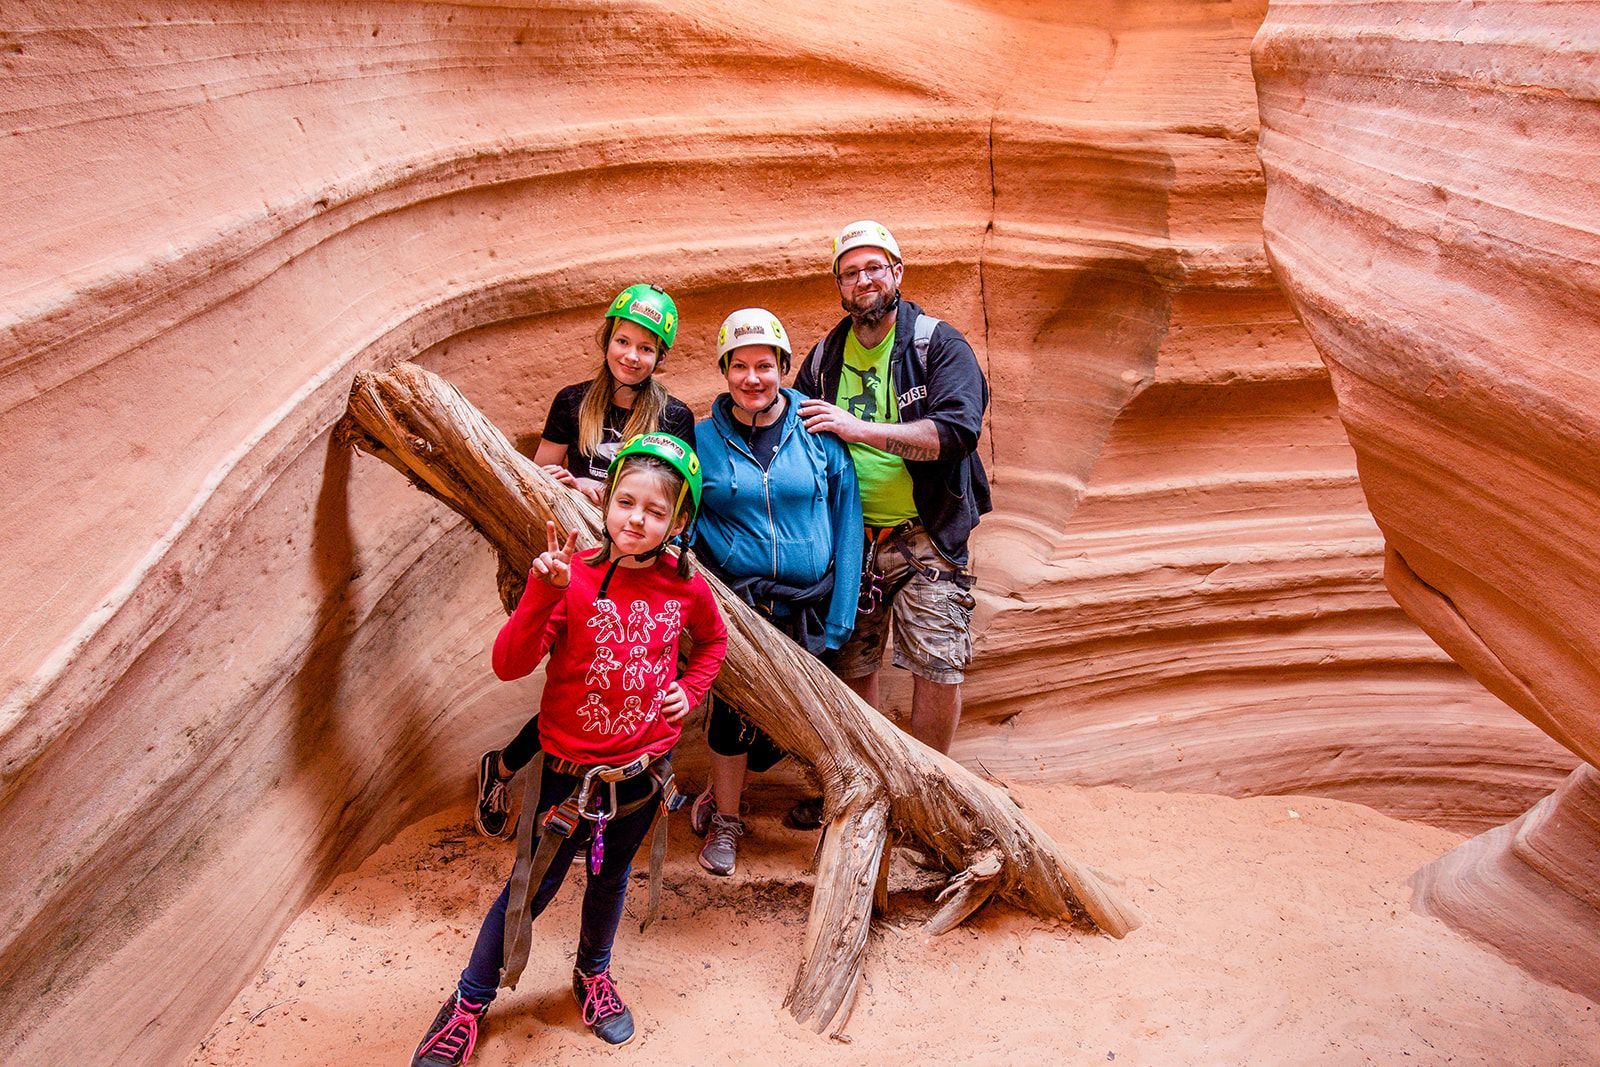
column 881, row 310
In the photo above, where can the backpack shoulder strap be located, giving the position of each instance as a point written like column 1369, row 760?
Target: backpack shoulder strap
column 921, row 337
column 814, row 361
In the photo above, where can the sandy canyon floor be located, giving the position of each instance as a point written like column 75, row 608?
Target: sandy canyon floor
column 1278, row 930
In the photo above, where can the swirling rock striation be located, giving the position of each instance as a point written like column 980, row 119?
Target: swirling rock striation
column 235, row 663
column 1430, row 211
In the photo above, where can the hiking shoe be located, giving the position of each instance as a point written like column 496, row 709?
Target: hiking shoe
column 700, row 815
column 722, row 843
column 805, row 815
column 494, row 798
column 603, row 1011
column 453, row 1035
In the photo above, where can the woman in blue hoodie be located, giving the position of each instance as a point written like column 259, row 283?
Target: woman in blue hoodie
column 780, row 522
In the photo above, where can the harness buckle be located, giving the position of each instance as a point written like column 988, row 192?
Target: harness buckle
column 672, row 798
column 564, row 818
column 627, row 770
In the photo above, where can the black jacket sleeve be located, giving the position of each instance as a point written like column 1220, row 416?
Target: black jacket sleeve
column 957, row 393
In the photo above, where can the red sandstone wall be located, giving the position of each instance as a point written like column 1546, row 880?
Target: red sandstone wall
column 1431, row 212
column 236, row 660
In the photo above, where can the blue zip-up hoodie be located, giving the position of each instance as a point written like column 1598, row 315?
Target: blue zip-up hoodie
column 790, row 522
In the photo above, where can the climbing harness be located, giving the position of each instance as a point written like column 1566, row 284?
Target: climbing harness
column 563, row 819
column 931, row 573
column 875, row 585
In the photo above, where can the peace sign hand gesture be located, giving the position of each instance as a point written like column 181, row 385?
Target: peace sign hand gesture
column 554, row 565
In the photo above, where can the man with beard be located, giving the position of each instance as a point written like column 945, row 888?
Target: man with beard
column 904, row 391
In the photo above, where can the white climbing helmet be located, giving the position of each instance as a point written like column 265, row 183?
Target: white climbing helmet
column 752, row 326
column 865, row 232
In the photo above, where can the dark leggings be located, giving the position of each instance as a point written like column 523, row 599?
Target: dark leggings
column 603, row 896
column 730, row 734
column 520, row 752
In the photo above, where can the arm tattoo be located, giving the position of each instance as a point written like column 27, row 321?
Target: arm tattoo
column 907, row 450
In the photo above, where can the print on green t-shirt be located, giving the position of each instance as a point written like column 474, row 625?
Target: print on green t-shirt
column 866, row 392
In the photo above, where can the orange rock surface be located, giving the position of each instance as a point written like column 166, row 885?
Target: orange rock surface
column 1430, row 209
column 236, row 661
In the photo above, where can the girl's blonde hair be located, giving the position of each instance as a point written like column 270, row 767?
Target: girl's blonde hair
column 671, row 481
column 649, row 403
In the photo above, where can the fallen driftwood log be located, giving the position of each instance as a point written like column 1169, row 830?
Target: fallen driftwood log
column 874, row 777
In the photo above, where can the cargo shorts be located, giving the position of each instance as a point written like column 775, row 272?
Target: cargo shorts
column 928, row 597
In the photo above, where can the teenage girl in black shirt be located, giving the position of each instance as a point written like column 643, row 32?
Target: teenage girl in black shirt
column 590, row 421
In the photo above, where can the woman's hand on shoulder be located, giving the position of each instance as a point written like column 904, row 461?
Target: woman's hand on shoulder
column 554, row 565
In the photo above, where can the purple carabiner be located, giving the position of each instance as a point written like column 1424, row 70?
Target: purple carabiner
column 597, row 844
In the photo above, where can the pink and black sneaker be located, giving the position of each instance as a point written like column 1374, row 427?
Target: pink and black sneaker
column 453, row 1035
column 603, row 1011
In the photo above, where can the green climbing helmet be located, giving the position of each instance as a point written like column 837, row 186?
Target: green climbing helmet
column 677, row 454
column 650, row 307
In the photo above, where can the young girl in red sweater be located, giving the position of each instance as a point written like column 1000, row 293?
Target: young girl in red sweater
column 587, row 424
column 611, row 711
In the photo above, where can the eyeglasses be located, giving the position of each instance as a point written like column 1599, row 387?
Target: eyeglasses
column 875, row 273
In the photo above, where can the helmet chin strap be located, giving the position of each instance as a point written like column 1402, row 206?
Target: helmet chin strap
column 642, row 557
column 755, row 416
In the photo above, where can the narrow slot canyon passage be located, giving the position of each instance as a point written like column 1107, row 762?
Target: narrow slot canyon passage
column 1282, row 613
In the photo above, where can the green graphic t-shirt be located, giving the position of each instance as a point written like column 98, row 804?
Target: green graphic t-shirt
column 866, row 392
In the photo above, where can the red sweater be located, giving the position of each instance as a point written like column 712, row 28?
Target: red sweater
column 612, row 661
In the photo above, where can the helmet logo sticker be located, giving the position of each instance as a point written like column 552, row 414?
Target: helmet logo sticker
column 663, row 441
column 757, row 328
column 639, row 307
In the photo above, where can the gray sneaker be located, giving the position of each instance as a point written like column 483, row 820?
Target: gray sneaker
column 722, row 843
column 700, row 814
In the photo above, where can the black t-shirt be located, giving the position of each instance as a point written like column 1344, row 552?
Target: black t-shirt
column 561, row 427
column 762, row 440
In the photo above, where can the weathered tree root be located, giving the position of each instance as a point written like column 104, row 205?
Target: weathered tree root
column 874, row 777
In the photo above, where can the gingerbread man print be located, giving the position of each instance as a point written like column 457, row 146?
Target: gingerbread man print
column 596, row 715
column 641, row 624
column 640, row 672
column 631, row 716
column 606, row 622
column 666, row 669
column 600, row 668
column 671, row 618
